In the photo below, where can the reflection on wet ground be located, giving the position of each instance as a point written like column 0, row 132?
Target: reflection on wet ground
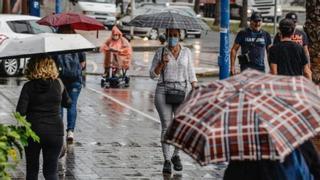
column 111, row 140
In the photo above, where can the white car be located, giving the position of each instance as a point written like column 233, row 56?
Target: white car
column 150, row 8
column 18, row 26
column 103, row 11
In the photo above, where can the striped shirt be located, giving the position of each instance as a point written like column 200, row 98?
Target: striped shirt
column 180, row 69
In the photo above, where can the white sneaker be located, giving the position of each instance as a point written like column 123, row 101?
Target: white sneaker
column 70, row 136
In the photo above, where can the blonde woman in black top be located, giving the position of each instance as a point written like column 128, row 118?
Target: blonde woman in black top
column 40, row 101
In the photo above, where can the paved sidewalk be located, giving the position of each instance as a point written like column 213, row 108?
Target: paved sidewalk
column 111, row 141
column 205, row 56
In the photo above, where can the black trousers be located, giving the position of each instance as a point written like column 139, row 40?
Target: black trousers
column 51, row 146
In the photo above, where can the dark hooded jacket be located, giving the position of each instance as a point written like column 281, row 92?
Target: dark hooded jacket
column 40, row 101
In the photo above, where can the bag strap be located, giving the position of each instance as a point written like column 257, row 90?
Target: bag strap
column 162, row 71
column 255, row 40
column 61, row 85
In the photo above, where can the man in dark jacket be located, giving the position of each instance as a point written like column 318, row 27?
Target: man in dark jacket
column 253, row 42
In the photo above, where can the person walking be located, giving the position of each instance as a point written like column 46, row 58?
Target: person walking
column 254, row 42
column 40, row 101
column 173, row 66
column 301, row 164
column 287, row 57
column 298, row 36
column 116, row 48
column 70, row 66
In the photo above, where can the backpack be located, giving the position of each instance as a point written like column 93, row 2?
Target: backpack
column 69, row 66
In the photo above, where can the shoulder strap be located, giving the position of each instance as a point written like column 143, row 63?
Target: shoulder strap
column 61, row 85
column 162, row 71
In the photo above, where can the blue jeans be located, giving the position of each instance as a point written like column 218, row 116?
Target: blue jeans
column 295, row 167
column 74, row 90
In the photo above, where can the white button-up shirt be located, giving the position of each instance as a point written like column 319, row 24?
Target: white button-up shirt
column 176, row 70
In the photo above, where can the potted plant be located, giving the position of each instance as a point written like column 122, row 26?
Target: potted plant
column 13, row 139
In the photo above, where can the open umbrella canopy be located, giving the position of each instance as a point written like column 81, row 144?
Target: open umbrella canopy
column 77, row 21
column 165, row 20
column 46, row 43
column 251, row 116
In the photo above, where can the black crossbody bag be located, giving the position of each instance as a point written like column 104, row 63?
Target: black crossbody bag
column 244, row 58
column 173, row 94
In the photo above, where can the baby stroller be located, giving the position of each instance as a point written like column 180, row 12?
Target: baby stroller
column 117, row 76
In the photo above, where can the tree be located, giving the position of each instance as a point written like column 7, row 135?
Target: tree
column 311, row 27
column 244, row 14
column 12, row 142
column 6, row 7
column 25, row 7
column 217, row 12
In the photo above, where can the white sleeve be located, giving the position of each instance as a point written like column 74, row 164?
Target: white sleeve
column 191, row 71
column 155, row 62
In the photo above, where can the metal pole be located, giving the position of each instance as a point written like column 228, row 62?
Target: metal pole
column 133, row 6
column 224, row 40
column 58, row 6
column 275, row 17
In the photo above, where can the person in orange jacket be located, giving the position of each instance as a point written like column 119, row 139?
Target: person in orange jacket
column 117, row 50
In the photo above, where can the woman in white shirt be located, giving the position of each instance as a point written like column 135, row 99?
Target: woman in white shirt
column 173, row 67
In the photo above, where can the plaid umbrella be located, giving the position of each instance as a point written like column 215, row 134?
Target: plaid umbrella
column 165, row 20
column 251, row 116
column 77, row 21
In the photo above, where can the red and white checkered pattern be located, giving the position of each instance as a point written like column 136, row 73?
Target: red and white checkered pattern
column 76, row 20
column 250, row 116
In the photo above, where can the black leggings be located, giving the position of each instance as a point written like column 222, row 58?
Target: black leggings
column 51, row 146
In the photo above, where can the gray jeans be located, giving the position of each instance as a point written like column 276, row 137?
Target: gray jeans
column 166, row 113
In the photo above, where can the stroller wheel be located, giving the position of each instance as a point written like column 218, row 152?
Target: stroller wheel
column 127, row 81
column 103, row 83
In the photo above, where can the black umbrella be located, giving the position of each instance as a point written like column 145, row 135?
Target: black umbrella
column 165, row 20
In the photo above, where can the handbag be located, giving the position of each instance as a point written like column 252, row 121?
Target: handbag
column 66, row 100
column 244, row 58
column 173, row 94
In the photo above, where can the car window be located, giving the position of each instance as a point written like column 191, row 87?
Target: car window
column 183, row 11
column 20, row 27
column 37, row 28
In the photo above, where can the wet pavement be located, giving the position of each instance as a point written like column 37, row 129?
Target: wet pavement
column 117, row 134
column 204, row 53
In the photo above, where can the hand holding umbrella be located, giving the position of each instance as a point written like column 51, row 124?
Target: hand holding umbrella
column 165, row 57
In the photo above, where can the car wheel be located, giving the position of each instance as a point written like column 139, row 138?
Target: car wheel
column 198, row 35
column 10, row 67
column 183, row 34
column 153, row 34
column 109, row 28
